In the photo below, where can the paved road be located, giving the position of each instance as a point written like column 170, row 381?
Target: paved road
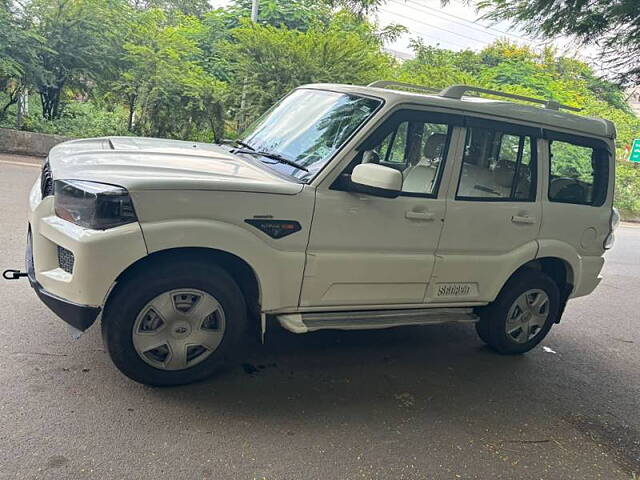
column 409, row 403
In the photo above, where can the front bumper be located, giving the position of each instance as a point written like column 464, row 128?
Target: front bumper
column 76, row 293
column 76, row 315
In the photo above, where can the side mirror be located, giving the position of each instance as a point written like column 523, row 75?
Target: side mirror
column 377, row 180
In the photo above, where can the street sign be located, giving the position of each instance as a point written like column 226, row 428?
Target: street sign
column 634, row 156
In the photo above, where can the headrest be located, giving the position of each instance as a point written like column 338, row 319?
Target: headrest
column 434, row 146
column 370, row 156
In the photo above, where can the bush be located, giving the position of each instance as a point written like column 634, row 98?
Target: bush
column 628, row 189
column 81, row 119
column 272, row 61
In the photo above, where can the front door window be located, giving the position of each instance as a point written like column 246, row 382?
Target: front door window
column 416, row 147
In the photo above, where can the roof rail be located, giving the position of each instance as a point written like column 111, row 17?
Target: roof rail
column 387, row 84
column 458, row 91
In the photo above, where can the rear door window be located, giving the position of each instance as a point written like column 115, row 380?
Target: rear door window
column 497, row 166
column 577, row 173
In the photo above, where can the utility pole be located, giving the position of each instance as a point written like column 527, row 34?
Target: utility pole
column 242, row 118
column 254, row 11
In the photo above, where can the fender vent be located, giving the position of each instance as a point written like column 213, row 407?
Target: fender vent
column 275, row 228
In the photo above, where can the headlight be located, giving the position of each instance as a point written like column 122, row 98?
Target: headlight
column 93, row 205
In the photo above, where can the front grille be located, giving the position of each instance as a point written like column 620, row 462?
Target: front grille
column 65, row 259
column 46, row 180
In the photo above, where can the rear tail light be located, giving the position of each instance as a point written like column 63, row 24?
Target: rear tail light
column 613, row 225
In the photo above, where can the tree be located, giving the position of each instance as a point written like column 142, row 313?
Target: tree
column 273, row 61
column 360, row 8
column 291, row 14
column 10, row 65
column 18, row 49
column 436, row 67
column 163, row 81
column 80, row 37
column 196, row 8
column 613, row 25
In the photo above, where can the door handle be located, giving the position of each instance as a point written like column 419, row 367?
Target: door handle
column 426, row 216
column 523, row 219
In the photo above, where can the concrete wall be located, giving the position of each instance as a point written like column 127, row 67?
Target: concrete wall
column 28, row 143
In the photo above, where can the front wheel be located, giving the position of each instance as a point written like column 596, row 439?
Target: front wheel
column 522, row 314
column 174, row 323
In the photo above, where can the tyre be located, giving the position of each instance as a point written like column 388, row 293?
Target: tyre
column 174, row 323
column 521, row 315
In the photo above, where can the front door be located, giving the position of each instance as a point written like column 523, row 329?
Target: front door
column 367, row 251
column 493, row 213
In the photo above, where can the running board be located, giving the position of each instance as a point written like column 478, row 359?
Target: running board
column 371, row 319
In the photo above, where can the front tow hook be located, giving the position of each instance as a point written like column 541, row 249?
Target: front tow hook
column 13, row 274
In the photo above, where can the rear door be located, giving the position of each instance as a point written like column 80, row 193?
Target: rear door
column 493, row 213
column 577, row 204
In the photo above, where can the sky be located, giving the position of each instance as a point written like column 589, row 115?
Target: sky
column 456, row 26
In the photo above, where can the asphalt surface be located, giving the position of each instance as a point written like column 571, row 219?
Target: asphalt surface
column 406, row 403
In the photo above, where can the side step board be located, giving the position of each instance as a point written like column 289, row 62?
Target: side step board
column 371, row 319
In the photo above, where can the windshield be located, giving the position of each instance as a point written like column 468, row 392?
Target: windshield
column 307, row 127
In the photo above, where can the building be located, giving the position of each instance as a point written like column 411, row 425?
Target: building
column 633, row 99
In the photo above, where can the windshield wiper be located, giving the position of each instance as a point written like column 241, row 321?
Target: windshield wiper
column 245, row 145
column 228, row 141
column 274, row 156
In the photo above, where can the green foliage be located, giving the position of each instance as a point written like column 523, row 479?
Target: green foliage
column 628, row 189
column 210, row 38
column 436, row 67
column 10, row 61
column 81, row 119
column 615, row 25
column 197, row 8
column 80, row 36
column 571, row 161
column 18, row 51
column 292, row 14
column 360, row 8
column 163, row 78
column 272, row 61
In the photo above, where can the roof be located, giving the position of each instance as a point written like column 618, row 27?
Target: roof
column 497, row 109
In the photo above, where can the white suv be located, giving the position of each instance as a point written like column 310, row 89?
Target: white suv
column 343, row 207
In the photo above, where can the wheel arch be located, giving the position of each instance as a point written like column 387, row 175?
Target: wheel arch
column 558, row 269
column 243, row 273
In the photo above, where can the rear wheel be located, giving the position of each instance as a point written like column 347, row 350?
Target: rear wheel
column 522, row 314
column 174, row 323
